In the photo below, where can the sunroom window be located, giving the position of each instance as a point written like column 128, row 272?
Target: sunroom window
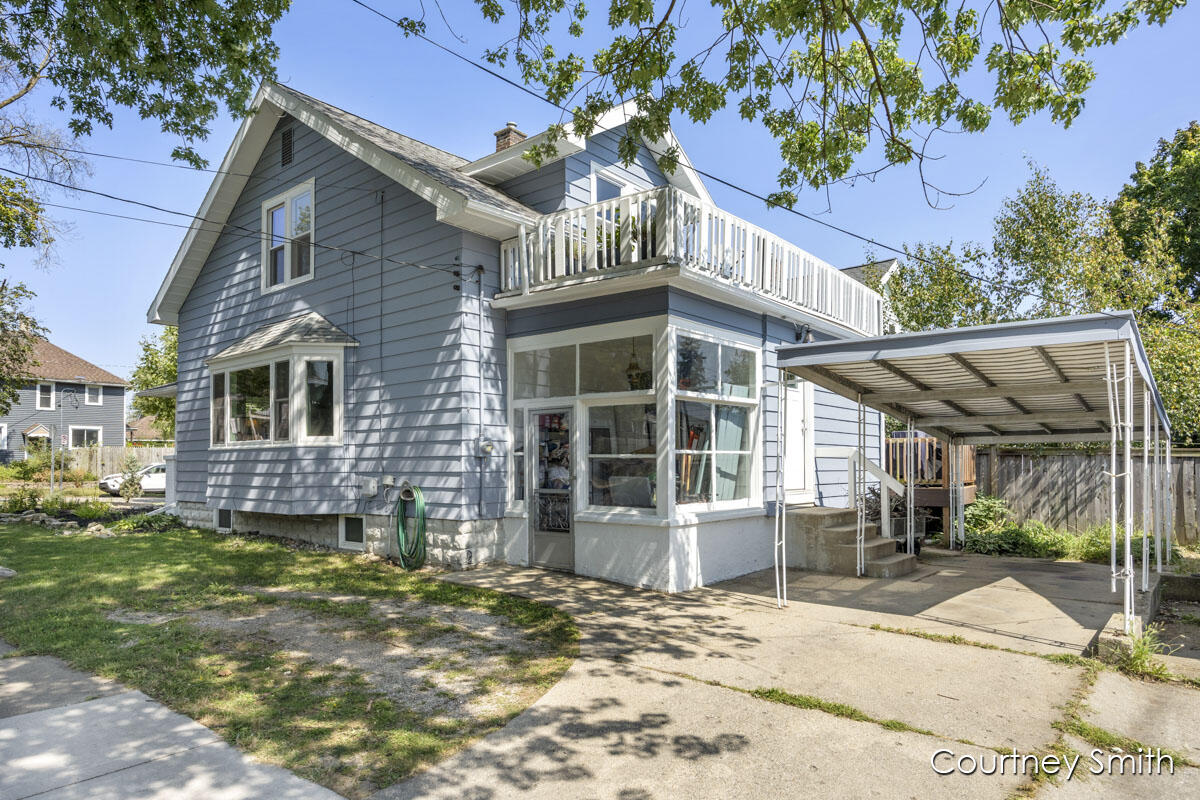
column 622, row 469
column 715, row 414
column 288, row 241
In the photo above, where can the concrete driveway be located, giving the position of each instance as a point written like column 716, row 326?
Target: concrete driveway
column 659, row 703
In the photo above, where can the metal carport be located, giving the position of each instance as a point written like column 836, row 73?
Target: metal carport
column 1068, row 379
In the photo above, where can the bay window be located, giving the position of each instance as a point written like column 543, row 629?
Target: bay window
column 287, row 222
column 296, row 398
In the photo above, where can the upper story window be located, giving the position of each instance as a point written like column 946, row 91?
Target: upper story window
column 292, row 396
column 288, row 221
column 605, row 189
column 45, row 397
column 93, row 395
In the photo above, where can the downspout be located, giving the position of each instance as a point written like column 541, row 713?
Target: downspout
column 481, row 449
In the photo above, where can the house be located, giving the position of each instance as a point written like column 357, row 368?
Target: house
column 140, row 431
column 574, row 361
column 67, row 397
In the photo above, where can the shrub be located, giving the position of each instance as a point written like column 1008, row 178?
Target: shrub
column 148, row 522
column 25, row 499
column 987, row 514
column 131, row 484
column 92, row 510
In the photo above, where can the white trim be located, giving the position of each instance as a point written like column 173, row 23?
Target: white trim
column 99, row 394
column 37, row 396
column 342, row 542
column 3, row 435
column 217, row 520
column 296, row 355
column 285, row 199
column 71, row 435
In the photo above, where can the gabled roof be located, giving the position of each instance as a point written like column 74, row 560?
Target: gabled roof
column 510, row 162
column 885, row 269
column 310, row 328
column 434, row 175
column 55, row 364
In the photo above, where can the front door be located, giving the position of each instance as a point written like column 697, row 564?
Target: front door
column 553, row 479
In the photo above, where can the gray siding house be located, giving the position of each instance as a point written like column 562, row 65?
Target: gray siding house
column 575, row 362
column 66, row 397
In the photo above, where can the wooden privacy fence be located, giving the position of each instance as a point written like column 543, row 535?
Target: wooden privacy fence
column 107, row 460
column 1069, row 488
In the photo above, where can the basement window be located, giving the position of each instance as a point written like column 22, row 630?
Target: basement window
column 224, row 521
column 352, row 533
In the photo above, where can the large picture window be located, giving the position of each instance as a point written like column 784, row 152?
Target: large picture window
column 263, row 403
column 714, row 440
column 622, row 469
column 288, row 241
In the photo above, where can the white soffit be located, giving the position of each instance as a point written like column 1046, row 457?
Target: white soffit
column 1018, row 382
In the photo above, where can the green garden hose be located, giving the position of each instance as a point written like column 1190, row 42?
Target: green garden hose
column 412, row 548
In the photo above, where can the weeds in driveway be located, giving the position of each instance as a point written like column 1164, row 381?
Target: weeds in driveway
column 172, row 612
column 1141, row 661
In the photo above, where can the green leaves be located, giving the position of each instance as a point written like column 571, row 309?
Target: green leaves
column 832, row 80
column 157, row 365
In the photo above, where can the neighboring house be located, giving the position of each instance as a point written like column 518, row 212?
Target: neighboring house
column 67, row 397
column 881, row 271
column 141, row 431
column 575, row 362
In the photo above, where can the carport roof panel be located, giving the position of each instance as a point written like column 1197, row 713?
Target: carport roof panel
column 1036, row 380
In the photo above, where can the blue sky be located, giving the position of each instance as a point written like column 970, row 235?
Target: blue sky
column 94, row 299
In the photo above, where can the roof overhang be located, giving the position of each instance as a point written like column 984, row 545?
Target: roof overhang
column 453, row 207
column 163, row 390
column 1017, row 382
column 510, row 162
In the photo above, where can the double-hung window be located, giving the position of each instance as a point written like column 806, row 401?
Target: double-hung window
column 293, row 396
column 93, row 395
column 287, row 251
column 715, row 421
column 45, row 397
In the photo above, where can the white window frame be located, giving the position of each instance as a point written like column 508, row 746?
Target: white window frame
column 99, row 394
column 285, row 199
column 37, row 396
column 627, row 188
column 3, row 435
column 217, row 520
column 71, row 435
column 579, row 405
column 346, row 545
column 296, row 355
column 754, row 404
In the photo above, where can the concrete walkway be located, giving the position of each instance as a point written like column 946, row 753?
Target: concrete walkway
column 67, row 735
column 657, row 704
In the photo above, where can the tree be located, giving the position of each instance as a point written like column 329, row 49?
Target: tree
column 174, row 62
column 831, row 81
column 1168, row 186
column 1055, row 252
column 156, row 366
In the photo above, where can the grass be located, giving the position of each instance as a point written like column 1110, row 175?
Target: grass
column 323, row 722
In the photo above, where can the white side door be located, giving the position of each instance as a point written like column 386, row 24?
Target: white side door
column 799, row 461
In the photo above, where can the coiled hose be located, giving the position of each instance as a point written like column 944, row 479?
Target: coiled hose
column 411, row 547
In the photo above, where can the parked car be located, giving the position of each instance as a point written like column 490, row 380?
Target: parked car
column 153, row 480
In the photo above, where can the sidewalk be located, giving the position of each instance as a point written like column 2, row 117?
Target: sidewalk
column 66, row 735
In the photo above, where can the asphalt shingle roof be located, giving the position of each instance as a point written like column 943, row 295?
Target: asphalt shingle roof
column 310, row 328
column 54, row 363
column 443, row 167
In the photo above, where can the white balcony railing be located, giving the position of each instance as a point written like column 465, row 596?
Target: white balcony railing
column 666, row 225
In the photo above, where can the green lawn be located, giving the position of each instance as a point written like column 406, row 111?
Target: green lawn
column 326, row 723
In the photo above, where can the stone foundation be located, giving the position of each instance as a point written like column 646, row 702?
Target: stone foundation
column 453, row 544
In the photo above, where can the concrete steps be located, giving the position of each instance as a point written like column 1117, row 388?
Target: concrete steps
column 824, row 540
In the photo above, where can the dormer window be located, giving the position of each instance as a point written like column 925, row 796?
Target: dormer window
column 287, row 251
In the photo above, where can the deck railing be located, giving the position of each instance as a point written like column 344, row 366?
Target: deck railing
column 667, row 225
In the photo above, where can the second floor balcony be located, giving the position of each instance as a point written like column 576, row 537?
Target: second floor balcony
column 666, row 227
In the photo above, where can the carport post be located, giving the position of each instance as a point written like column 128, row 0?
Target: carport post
column 1146, row 493
column 1114, row 414
column 910, row 467
column 1128, row 486
column 780, row 544
column 961, row 474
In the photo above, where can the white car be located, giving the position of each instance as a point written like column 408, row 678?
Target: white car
column 152, row 478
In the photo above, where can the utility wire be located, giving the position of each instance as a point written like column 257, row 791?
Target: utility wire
column 195, row 217
column 739, row 188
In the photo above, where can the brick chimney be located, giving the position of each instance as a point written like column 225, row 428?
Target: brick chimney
column 508, row 136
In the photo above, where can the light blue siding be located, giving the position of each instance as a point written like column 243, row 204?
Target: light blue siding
column 404, row 403
column 109, row 416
